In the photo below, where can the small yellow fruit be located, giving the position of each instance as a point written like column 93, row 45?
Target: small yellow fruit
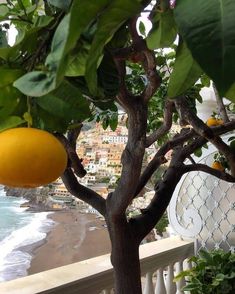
column 30, row 158
column 217, row 165
column 211, row 122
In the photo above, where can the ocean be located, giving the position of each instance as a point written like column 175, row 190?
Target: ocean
column 18, row 228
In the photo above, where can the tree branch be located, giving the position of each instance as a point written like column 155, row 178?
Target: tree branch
column 131, row 160
column 204, row 131
column 82, row 192
column 159, row 157
column 145, row 222
column 148, row 172
column 124, row 97
column 165, row 127
column 220, row 104
column 214, row 172
column 75, row 161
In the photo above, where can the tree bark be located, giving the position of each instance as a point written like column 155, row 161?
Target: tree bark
column 124, row 256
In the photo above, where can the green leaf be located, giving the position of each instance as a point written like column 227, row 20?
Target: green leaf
column 113, row 122
column 163, row 32
column 142, row 28
column 8, row 76
column 230, row 94
column 36, row 83
column 208, row 29
column 62, row 4
column 42, row 21
column 205, row 80
column 10, row 122
column 185, row 72
column 3, row 10
column 76, row 65
column 65, row 102
column 109, row 22
column 198, row 152
column 9, row 96
column 64, row 40
column 108, row 77
column 105, row 123
column 191, row 287
column 47, row 121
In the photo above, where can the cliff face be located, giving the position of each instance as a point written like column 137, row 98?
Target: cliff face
column 19, row 192
column 38, row 198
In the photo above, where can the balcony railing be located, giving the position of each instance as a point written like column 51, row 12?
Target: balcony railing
column 160, row 261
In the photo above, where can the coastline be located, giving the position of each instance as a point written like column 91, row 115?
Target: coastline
column 75, row 236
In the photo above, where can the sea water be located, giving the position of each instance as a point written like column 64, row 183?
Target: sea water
column 18, row 228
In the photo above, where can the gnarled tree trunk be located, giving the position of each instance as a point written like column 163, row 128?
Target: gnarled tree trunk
column 124, row 257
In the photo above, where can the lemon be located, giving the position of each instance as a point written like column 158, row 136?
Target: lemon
column 211, row 122
column 217, row 165
column 30, row 158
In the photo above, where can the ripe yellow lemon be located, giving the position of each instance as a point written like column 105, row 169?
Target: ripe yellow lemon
column 211, row 122
column 217, row 165
column 30, row 158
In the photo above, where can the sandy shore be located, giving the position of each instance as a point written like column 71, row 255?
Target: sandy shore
column 72, row 239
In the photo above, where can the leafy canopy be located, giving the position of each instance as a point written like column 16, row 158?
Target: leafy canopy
column 61, row 71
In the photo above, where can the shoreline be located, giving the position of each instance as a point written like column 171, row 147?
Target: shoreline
column 75, row 236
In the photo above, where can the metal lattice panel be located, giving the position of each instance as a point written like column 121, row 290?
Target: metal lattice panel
column 203, row 207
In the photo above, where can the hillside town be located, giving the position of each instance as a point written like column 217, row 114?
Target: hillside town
column 100, row 151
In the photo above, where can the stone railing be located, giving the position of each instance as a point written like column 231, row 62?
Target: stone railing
column 160, row 261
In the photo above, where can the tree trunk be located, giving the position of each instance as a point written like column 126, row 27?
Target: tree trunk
column 124, row 257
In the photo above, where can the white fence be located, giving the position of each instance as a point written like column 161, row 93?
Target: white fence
column 160, row 261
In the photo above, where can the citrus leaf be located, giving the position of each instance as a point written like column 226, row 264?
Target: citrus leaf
column 49, row 122
column 185, row 72
column 109, row 22
column 62, row 4
column 8, row 76
column 198, row 152
column 9, row 96
column 163, row 32
column 3, row 10
column 76, row 65
column 64, row 40
column 230, row 94
column 65, row 102
column 206, row 25
column 108, row 77
column 36, row 83
column 10, row 122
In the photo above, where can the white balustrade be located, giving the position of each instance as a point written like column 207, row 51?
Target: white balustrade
column 159, row 260
column 170, row 285
column 149, row 289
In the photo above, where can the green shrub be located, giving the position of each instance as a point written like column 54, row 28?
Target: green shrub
column 213, row 273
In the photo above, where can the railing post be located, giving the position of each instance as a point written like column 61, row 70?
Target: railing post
column 148, row 288
column 160, row 285
column 170, row 285
column 181, row 283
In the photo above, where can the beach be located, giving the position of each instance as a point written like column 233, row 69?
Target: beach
column 74, row 237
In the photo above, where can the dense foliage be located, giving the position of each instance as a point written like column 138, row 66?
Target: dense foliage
column 213, row 272
column 62, row 58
